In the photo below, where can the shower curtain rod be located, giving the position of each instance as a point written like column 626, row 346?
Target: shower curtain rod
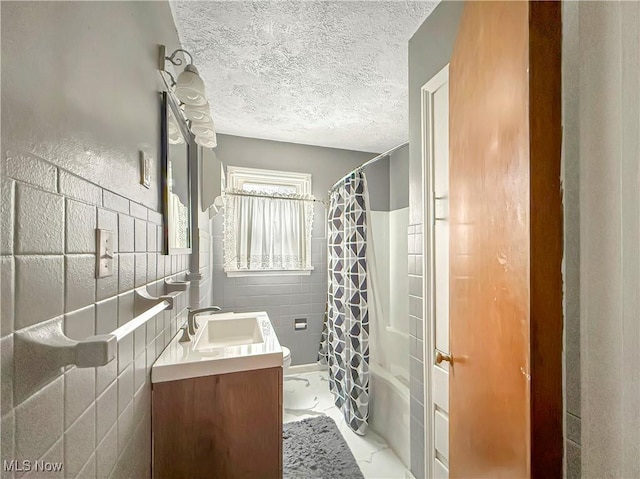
column 367, row 163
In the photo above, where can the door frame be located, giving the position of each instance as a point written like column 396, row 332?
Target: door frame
column 427, row 145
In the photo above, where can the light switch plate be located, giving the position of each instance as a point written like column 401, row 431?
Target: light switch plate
column 106, row 251
column 145, row 169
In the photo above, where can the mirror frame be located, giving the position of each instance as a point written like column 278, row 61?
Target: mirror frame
column 169, row 103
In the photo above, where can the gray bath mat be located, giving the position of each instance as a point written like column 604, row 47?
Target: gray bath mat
column 314, row 448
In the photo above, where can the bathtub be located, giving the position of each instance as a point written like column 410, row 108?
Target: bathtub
column 389, row 409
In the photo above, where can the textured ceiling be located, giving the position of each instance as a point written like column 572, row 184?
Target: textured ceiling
column 319, row 73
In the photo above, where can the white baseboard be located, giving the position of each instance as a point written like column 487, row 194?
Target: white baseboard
column 306, row 368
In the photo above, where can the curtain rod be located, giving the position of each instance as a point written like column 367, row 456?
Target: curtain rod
column 367, row 163
column 274, row 197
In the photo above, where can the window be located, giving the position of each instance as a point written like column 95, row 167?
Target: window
column 268, row 222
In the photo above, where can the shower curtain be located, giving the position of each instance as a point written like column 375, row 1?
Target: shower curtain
column 345, row 337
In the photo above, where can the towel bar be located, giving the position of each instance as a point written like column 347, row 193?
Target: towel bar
column 47, row 344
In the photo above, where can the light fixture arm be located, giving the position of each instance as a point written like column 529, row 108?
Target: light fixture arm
column 173, row 80
column 178, row 61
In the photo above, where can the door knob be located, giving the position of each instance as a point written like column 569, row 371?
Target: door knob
column 443, row 357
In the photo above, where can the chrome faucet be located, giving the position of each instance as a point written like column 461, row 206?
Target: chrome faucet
column 192, row 323
column 191, row 326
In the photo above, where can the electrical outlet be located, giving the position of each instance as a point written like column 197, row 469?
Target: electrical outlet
column 145, row 169
column 106, row 251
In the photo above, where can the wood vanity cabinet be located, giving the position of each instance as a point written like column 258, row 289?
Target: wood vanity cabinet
column 224, row 426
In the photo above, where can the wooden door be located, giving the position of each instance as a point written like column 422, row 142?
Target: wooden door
column 506, row 242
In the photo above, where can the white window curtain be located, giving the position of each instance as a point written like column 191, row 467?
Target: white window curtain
column 267, row 231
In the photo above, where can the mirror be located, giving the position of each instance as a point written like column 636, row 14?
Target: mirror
column 176, row 178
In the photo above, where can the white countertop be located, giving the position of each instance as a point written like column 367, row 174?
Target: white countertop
column 183, row 361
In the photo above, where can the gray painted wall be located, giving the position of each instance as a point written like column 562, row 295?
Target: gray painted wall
column 378, row 184
column 399, row 179
column 430, row 50
column 287, row 297
column 79, row 99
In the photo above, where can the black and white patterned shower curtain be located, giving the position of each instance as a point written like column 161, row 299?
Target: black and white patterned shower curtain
column 345, row 337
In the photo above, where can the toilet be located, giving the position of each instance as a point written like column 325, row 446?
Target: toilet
column 286, row 359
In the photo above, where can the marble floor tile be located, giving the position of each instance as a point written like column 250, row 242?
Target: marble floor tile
column 307, row 395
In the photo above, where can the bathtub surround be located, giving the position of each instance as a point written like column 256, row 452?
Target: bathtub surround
column 389, row 221
column 285, row 298
column 71, row 138
column 430, row 50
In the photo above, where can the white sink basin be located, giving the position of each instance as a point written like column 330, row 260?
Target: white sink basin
column 221, row 333
column 224, row 343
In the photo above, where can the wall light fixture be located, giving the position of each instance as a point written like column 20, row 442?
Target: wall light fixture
column 190, row 91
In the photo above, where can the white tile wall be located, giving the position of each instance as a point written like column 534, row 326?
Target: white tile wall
column 126, row 239
column 39, row 221
column 75, row 187
column 6, row 373
column 7, row 193
column 53, row 455
column 79, row 388
column 106, row 410
column 7, row 271
column 116, row 202
column 39, row 289
column 39, row 174
column 140, row 235
column 107, row 315
column 80, row 227
column 89, row 469
column 416, row 360
column 79, row 442
column 80, row 282
column 40, row 421
column 7, row 441
column 107, row 452
column 96, row 420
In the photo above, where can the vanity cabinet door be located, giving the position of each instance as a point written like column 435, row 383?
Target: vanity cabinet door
column 224, row 426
